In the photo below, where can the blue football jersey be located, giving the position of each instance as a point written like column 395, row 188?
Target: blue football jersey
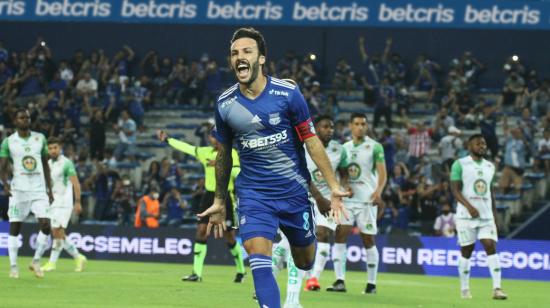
column 268, row 133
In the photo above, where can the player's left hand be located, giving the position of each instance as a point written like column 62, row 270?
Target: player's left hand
column 337, row 205
column 323, row 204
column 216, row 212
column 77, row 208
column 50, row 197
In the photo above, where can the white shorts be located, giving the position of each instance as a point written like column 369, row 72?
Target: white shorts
column 364, row 215
column 470, row 230
column 321, row 220
column 60, row 217
column 21, row 204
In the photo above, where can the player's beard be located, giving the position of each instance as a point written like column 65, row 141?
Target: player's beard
column 254, row 71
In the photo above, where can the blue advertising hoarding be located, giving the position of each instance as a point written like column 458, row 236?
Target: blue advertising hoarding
column 462, row 14
column 520, row 259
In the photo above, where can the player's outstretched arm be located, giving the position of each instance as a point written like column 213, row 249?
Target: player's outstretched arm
column 224, row 165
column 179, row 145
column 318, row 154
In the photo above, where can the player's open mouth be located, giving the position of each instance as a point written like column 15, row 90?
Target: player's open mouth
column 242, row 70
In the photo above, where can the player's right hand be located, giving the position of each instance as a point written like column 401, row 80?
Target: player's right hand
column 7, row 190
column 473, row 212
column 216, row 212
column 337, row 205
column 162, row 135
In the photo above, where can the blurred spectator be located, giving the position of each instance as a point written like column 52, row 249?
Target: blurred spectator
column 148, row 210
column 86, row 86
column 514, row 159
column 170, row 174
column 152, row 176
column 97, row 134
column 384, row 101
column 127, row 132
column 488, row 127
column 445, row 223
column 449, row 147
column 104, row 183
column 442, row 123
column 543, row 153
column 140, row 97
column 425, row 79
column 539, row 98
column 124, row 197
column 420, row 141
column 172, row 208
column 513, row 90
column 213, row 84
column 388, row 143
column 343, row 76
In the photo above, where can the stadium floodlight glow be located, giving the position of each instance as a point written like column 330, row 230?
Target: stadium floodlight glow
column 312, row 57
column 515, row 58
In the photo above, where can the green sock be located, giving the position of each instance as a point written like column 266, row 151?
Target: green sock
column 238, row 256
column 199, row 249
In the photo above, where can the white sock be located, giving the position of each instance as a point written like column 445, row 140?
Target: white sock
column 464, row 273
column 57, row 247
column 321, row 258
column 70, row 248
column 294, row 283
column 372, row 264
column 339, row 257
column 13, row 249
column 41, row 243
column 279, row 255
column 495, row 270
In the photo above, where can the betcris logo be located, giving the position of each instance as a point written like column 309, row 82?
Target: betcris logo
column 265, row 142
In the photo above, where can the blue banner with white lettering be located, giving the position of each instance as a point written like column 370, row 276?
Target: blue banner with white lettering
column 519, row 259
column 487, row 14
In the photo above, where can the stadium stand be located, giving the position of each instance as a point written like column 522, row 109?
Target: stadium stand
column 84, row 100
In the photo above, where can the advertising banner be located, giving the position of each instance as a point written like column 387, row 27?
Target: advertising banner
column 520, row 259
column 486, row 14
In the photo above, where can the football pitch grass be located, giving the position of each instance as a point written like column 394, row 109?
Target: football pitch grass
column 134, row 284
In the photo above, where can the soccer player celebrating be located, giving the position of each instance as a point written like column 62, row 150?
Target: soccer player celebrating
column 365, row 176
column 269, row 121
column 207, row 155
column 65, row 186
column 471, row 184
column 30, row 188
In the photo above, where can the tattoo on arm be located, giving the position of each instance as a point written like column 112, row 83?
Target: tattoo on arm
column 224, row 164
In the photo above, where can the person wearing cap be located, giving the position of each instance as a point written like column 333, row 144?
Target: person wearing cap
column 449, row 147
column 207, row 156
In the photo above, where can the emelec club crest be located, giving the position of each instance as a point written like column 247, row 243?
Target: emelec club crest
column 274, row 118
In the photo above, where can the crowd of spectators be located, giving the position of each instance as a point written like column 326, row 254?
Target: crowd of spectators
column 82, row 98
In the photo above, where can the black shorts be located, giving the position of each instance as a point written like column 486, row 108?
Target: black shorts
column 207, row 200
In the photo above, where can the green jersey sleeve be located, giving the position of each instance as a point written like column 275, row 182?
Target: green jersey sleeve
column 456, row 171
column 343, row 159
column 69, row 169
column 378, row 156
column 44, row 146
column 182, row 146
column 5, row 149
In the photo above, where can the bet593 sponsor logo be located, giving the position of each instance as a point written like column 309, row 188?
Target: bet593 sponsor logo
column 267, row 141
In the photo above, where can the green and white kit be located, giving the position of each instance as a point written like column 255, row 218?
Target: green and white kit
column 360, row 161
column 28, row 186
column 61, row 209
column 335, row 154
column 477, row 178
